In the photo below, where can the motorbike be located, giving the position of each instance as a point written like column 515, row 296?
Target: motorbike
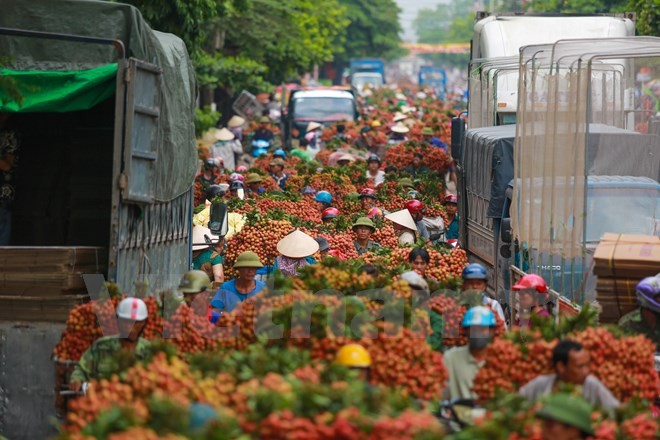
column 259, row 147
column 459, row 414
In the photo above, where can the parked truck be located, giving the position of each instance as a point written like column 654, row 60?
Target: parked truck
column 496, row 42
column 434, row 77
column 536, row 197
column 106, row 167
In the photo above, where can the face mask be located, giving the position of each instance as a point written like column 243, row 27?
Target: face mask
column 478, row 343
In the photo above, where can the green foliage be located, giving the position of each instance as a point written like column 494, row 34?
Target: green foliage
column 205, row 119
column 182, row 18
column 232, row 73
column 373, row 31
column 648, row 16
column 288, row 36
column 577, row 6
column 114, row 420
column 255, row 361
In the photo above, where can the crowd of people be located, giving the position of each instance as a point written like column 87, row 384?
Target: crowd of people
column 223, row 161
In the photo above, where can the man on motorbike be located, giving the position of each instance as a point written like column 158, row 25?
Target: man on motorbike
column 263, row 133
column 417, row 210
column 571, row 362
column 475, row 278
column 100, row 361
column 464, row 362
column 645, row 319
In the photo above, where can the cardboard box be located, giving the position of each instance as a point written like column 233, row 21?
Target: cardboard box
column 627, row 256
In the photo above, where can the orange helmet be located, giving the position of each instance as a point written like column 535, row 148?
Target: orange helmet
column 531, row 281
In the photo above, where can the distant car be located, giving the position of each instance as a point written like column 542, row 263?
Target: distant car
column 363, row 79
column 325, row 106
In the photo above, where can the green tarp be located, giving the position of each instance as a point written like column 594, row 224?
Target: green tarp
column 177, row 157
column 45, row 91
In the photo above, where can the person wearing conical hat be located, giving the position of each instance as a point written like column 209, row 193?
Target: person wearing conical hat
column 207, row 253
column 226, row 147
column 404, row 226
column 232, row 293
column 313, row 136
column 398, row 133
column 363, row 229
column 235, row 125
column 296, row 250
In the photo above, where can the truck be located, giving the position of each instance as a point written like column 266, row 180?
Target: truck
column 323, row 105
column 365, row 71
column 104, row 188
column 496, row 42
column 434, row 77
column 581, row 160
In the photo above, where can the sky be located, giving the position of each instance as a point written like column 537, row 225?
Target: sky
column 409, row 9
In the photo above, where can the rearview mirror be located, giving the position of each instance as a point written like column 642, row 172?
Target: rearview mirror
column 219, row 219
column 457, row 134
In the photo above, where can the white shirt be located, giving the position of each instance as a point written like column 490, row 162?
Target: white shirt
column 379, row 178
column 495, row 305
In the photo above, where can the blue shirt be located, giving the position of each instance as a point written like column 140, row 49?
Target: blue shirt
column 452, row 229
column 436, row 142
column 227, row 297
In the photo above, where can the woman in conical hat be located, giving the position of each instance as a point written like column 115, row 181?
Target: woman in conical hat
column 404, row 226
column 207, row 253
column 296, row 250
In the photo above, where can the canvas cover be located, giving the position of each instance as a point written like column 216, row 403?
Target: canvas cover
column 177, row 160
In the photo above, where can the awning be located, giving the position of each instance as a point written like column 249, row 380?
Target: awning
column 55, row 91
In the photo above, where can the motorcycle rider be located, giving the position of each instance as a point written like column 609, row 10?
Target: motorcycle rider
column 463, row 363
column 645, row 319
column 100, row 360
column 363, row 229
column 356, row 357
column 451, row 207
column 571, row 362
column 263, row 133
column 277, row 172
column 417, row 210
column 530, row 288
column 373, row 170
column 323, row 199
column 475, row 278
column 329, row 214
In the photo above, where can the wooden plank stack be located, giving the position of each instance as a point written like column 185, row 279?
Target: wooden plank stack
column 621, row 261
column 44, row 283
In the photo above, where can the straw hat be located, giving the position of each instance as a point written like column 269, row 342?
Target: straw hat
column 201, row 238
column 248, row 259
column 403, row 218
column 313, row 126
column 235, row 122
column 400, row 96
column 405, row 109
column 224, row 135
column 254, row 178
column 297, row 245
column 346, row 157
column 400, row 128
column 398, row 116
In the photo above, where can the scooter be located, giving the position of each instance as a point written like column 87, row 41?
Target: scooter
column 459, row 414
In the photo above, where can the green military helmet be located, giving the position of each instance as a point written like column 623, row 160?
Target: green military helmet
column 406, row 183
column 427, row 131
column 195, row 281
column 248, row 259
column 568, row 409
column 364, row 221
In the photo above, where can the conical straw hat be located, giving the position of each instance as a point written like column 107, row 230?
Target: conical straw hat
column 235, row 121
column 297, row 245
column 398, row 116
column 400, row 128
column 199, row 238
column 403, row 218
column 313, row 126
column 224, row 135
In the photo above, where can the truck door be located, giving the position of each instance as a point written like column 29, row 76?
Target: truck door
column 148, row 237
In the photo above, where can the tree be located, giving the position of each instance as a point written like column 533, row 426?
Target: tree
column 373, row 30
column 648, row 16
column 183, row 18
